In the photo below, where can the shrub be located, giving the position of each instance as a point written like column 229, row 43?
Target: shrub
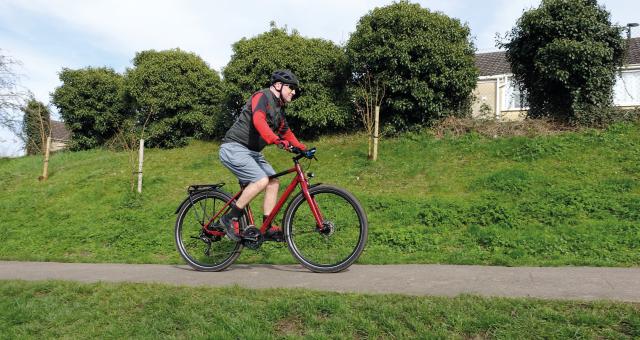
column 564, row 54
column 319, row 64
column 91, row 101
column 424, row 58
column 177, row 93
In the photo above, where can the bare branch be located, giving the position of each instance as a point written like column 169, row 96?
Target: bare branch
column 12, row 95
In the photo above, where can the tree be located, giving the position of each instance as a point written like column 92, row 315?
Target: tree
column 564, row 54
column 177, row 93
column 12, row 96
column 36, row 126
column 92, row 102
column 425, row 59
column 368, row 94
column 319, row 64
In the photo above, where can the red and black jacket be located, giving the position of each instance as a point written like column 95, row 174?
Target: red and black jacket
column 261, row 122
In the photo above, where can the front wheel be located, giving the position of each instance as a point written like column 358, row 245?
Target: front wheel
column 340, row 240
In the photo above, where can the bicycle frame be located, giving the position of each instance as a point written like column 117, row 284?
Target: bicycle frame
column 300, row 179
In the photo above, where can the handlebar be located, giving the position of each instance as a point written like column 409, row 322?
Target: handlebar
column 309, row 154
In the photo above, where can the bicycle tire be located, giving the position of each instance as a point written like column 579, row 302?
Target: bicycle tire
column 324, row 252
column 188, row 232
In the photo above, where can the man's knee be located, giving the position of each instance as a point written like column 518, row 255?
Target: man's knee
column 262, row 183
column 274, row 182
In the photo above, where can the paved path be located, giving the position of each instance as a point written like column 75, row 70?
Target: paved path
column 576, row 283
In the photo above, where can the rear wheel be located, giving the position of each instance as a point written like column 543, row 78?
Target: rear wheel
column 205, row 250
column 340, row 240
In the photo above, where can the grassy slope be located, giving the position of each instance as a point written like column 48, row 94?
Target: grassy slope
column 570, row 199
column 104, row 310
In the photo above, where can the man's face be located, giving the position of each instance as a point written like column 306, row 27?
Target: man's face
column 288, row 91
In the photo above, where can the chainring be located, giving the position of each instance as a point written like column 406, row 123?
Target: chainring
column 252, row 238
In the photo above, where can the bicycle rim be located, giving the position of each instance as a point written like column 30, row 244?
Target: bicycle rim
column 200, row 250
column 332, row 250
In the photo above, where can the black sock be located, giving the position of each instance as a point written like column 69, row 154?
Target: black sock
column 264, row 218
column 235, row 212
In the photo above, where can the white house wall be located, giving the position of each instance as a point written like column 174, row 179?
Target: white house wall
column 500, row 91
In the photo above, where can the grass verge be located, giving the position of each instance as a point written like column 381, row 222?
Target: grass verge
column 104, row 310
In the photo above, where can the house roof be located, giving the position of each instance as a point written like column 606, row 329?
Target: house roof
column 495, row 63
column 59, row 131
column 634, row 52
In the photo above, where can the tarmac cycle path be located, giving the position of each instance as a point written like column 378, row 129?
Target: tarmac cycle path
column 564, row 283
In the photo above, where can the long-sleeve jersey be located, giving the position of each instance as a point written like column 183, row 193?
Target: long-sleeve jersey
column 261, row 122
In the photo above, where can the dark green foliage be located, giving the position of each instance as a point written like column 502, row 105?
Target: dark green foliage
column 424, row 58
column 35, row 126
column 177, row 93
column 92, row 103
column 319, row 64
column 564, row 54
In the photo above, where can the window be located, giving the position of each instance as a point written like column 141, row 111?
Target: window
column 513, row 98
column 626, row 91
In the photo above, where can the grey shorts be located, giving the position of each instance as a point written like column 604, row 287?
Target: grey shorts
column 249, row 166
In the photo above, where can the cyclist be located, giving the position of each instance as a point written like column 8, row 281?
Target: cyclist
column 261, row 122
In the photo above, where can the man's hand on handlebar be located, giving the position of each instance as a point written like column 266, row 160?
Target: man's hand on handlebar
column 309, row 153
column 283, row 144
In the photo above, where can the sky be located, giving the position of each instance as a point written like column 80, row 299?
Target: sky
column 49, row 35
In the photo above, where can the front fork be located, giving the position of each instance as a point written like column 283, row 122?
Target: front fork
column 315, row 210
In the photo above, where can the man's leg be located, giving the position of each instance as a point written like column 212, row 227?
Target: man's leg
column 251, row 191
column 230, row 219
column 271, row 195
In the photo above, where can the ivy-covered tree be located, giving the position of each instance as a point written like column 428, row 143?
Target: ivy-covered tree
column 425, row 60
column 176, row 94
column 320, row 65
column 36, row 126
column 92, row 103
column 564, row 54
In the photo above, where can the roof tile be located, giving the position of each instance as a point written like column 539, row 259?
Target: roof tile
column 495, row 63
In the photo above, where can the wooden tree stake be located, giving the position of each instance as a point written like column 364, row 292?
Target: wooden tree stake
column 140, row 161
column 45, row 170
column 375, row 133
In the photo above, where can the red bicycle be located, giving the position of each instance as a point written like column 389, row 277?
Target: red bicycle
column 324, row 226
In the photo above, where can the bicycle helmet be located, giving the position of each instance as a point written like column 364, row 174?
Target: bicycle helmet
column 285, row 77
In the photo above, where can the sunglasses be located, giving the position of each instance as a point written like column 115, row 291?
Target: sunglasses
column 291, row 86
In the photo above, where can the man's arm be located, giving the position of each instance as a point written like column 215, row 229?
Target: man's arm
column 291, row 138
column 259, row 107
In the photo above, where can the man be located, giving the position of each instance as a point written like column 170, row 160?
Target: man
column 261, row 122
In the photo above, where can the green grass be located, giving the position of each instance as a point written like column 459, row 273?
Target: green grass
column 567, row 199
column 122, row 311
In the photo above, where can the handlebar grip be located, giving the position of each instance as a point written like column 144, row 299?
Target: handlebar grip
column 309, row 153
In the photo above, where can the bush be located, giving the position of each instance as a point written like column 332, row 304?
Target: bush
column 424, row 58
column 92, row 103
column 177, row 93
column 564, row 54
column 319, row 64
